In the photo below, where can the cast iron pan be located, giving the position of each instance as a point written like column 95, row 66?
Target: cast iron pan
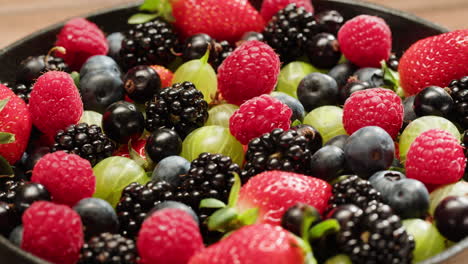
column 406, row 30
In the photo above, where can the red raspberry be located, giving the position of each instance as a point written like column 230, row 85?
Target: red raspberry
column 68, row 177
column 251, row 70
column 55, row 102
column 258, row 116
column 434, row 60
column 271, row 7
column 373, row 107
column 165, row 75
column 15, row 119
column 81, row 39
column 435, row 157
column 53, row 232
column 169, row 236
column 365, row 40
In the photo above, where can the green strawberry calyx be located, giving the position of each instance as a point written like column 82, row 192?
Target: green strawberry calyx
column 152, row 9
column 5, row 137
column 392, row 79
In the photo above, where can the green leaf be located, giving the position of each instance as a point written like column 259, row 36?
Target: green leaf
column 324, row 228
column 6, row 138
column 212, row 203
column 296, row 123
column 221, row 219
column 6, row 171
column 234, row 193
column 249, row 217
column 150, row 5
column 391, row 79
column 3, row 103
column 140, row 18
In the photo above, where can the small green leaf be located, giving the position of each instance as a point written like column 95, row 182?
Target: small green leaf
column 391, row 79
column 76, row 78
column 6, row 171
column 324, row 228
column 234, row 194
column 249, row 217
column 6, row 138
column 402, row 170
column 150, row 5
column 212, row 203
column 296, row 123
column 221, row 219
column 3, row 103
column 140, row 18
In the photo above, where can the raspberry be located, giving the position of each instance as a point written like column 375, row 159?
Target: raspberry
column 55, row 102
column 257, row 116
column 373, row 107
column 251, row 70
column 169, row 236
column 435, row 61
column 271, row 7
column 435, row 157
column 366, row 40
column 68, row 177
column 52, row 232
column 81, row 39
column 165, row 75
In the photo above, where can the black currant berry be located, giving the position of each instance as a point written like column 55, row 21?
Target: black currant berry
column 433, row 100
column 141, row 83
column 122, row 121
column 162, row 143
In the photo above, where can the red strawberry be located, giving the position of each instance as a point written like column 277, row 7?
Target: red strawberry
column 222, row 20
column 254, row 244
column 273, row 192
column 271, row 7
column 435, row 60
column 14, row 119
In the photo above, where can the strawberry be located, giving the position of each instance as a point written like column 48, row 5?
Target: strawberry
column 15, row 125
column 435, row 60
column 259, row 244
column 222, row 20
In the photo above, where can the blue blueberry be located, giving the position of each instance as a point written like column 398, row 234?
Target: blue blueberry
column 98, row 216
column 327, row 163
column 338, row 141
column 100, row 63
column 101, row 89
column 298, row 111
column 368, row 150
column 317, row 89
column 169, row 169
column 342, row 72
column 174, row 205
column 114, row 41
column 372, row 76
column 383, row 181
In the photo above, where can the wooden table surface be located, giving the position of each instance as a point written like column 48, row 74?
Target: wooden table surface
column 19, row 18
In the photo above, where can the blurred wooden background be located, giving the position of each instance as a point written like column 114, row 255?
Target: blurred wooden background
column 19, row 18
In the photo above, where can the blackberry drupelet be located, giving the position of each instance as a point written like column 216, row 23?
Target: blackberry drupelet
column 289, row 31
column 9, row 189
column 279, row 150
column 85, row 140
column 22, row 91
column 9, row 216
column 109, row 248
column 353, row 190
column 459, row 93
column 373, row 234
column 151, row 43
column 137, row 200
column 180, row 107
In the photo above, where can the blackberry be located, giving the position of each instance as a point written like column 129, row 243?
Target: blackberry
column 393, row 62
column 221, row 51
column 32, row 67
column 353, row 190
column 150, row 43
column 9, row 189
column 180, row 107
column 137, row 200
column 459, row 93
column 109, row 248
column 9, row 216
column 373, row 234
column 85, row 140
column 289, row 31
column 22, row 91
column 279, row 150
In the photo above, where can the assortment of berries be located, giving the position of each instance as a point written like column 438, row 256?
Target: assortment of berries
column 210, row 132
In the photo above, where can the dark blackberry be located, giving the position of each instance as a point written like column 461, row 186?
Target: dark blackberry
column 221, row 51
column 109, row 248
column 459, row 93
column 353, row 190
column 22, row 91
column 289, row 31
column 137, row 200
column 9, row 189
column 32, row 67
column 279, row 150
column 85, row 140
column 373, row 234
column 180, row 107
column 393, row 62
column 9, row 216
column 150, row 43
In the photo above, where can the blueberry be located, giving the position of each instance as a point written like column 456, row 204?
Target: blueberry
column 122, row 121
column 317, row 89
column 451, row 217
column 351, row 87
column 368, row 150
column 100, row 63
column 293, row 219
column 372, row 76
column 162, row 143
column 97, row 216
column 16, row 236
column 170, row 169
column 433, row 100
column 30, row 193
column 338, row 141
column 323, row 51
column 383, row 181
column 114, row 41
column 298, row 111
column 408, row 109
column 342, row 72
column 327, row 163
column 175, row 205
column 99, row 89
column 141, row 83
